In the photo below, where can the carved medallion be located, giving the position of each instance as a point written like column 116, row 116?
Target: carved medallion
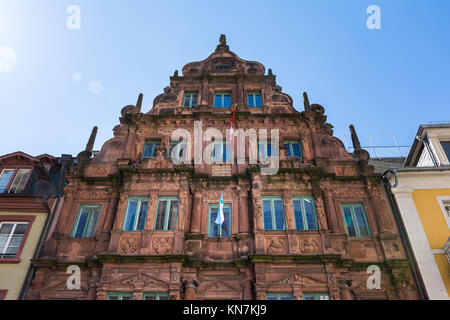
column 162, row 245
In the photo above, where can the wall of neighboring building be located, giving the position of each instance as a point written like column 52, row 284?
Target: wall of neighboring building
column 416, row 195
column 12, row 275
column 435, row 226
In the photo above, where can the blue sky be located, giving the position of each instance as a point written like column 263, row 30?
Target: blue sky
column 386, row 82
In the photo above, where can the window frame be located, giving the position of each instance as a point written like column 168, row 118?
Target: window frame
column 304, row 218
column 89, row 221
column 166, row 214
column 272, row 212
column 148, row 142
column 253, row 95
column 190, row 94
column 137, row 216
column 222, row 94
column 315, row 295
column 366, row 220
column 13, row 177
column 18, row 219
column 447, row 141
column 278, row 296
column 213, row 206
column 443, row 200
column 120, row 295
column 156, row 294
column 290, row 151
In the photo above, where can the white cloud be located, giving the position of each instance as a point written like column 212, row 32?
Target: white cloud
column 95, row 86
column 8, row 59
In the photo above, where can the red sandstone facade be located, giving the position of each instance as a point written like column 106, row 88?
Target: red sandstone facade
column 253, row 263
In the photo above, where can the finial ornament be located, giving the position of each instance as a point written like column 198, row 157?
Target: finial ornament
column 270, row 72
column 87, row 153
column 355, row 140
column 223, row 43
column 306, row 101
column 223, row 39
column 90, row 144
column 139, row 102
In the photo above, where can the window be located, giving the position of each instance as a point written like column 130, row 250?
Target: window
column 215, row 230
column 446, row 146
column 166, row 214
column 155, row 296
column 265, row 149
column 279, row 296
column 304, row 213
column 254, row 100
column 11, row 236
column 18, row 184
column 136, row 214
column 293, row 148
column 222, row 100
column 5, row 177
column 273, row 213
column 316, row 296
column 119, row 296
column 356, row 221
column 86, row 222
column 447, row 208
column 190, row 100
column 444, row 203
column 221, row 152
column 150, row 149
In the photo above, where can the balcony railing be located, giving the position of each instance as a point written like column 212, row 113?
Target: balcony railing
column 446, row 249
column 385, row 152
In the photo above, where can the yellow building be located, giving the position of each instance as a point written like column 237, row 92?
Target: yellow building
column 422, row 193
column 30, row 188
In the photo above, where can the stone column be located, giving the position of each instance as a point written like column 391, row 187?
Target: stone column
column 65, row 213
column 130, row 144
column 111, row 212
column 93, row 284
column 196, row 214
column 379, row 205
column 321, row 215
column 244, row 219
column 331, row 210
column 247, row 290
column 189, row 292
column 288, row 211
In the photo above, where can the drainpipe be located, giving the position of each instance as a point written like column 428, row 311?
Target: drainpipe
column 51, row 212
column 403, row 235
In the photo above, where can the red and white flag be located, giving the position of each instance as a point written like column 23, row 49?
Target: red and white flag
column 231, row 130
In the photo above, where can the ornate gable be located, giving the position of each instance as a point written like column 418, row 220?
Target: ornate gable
column 298, row 279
